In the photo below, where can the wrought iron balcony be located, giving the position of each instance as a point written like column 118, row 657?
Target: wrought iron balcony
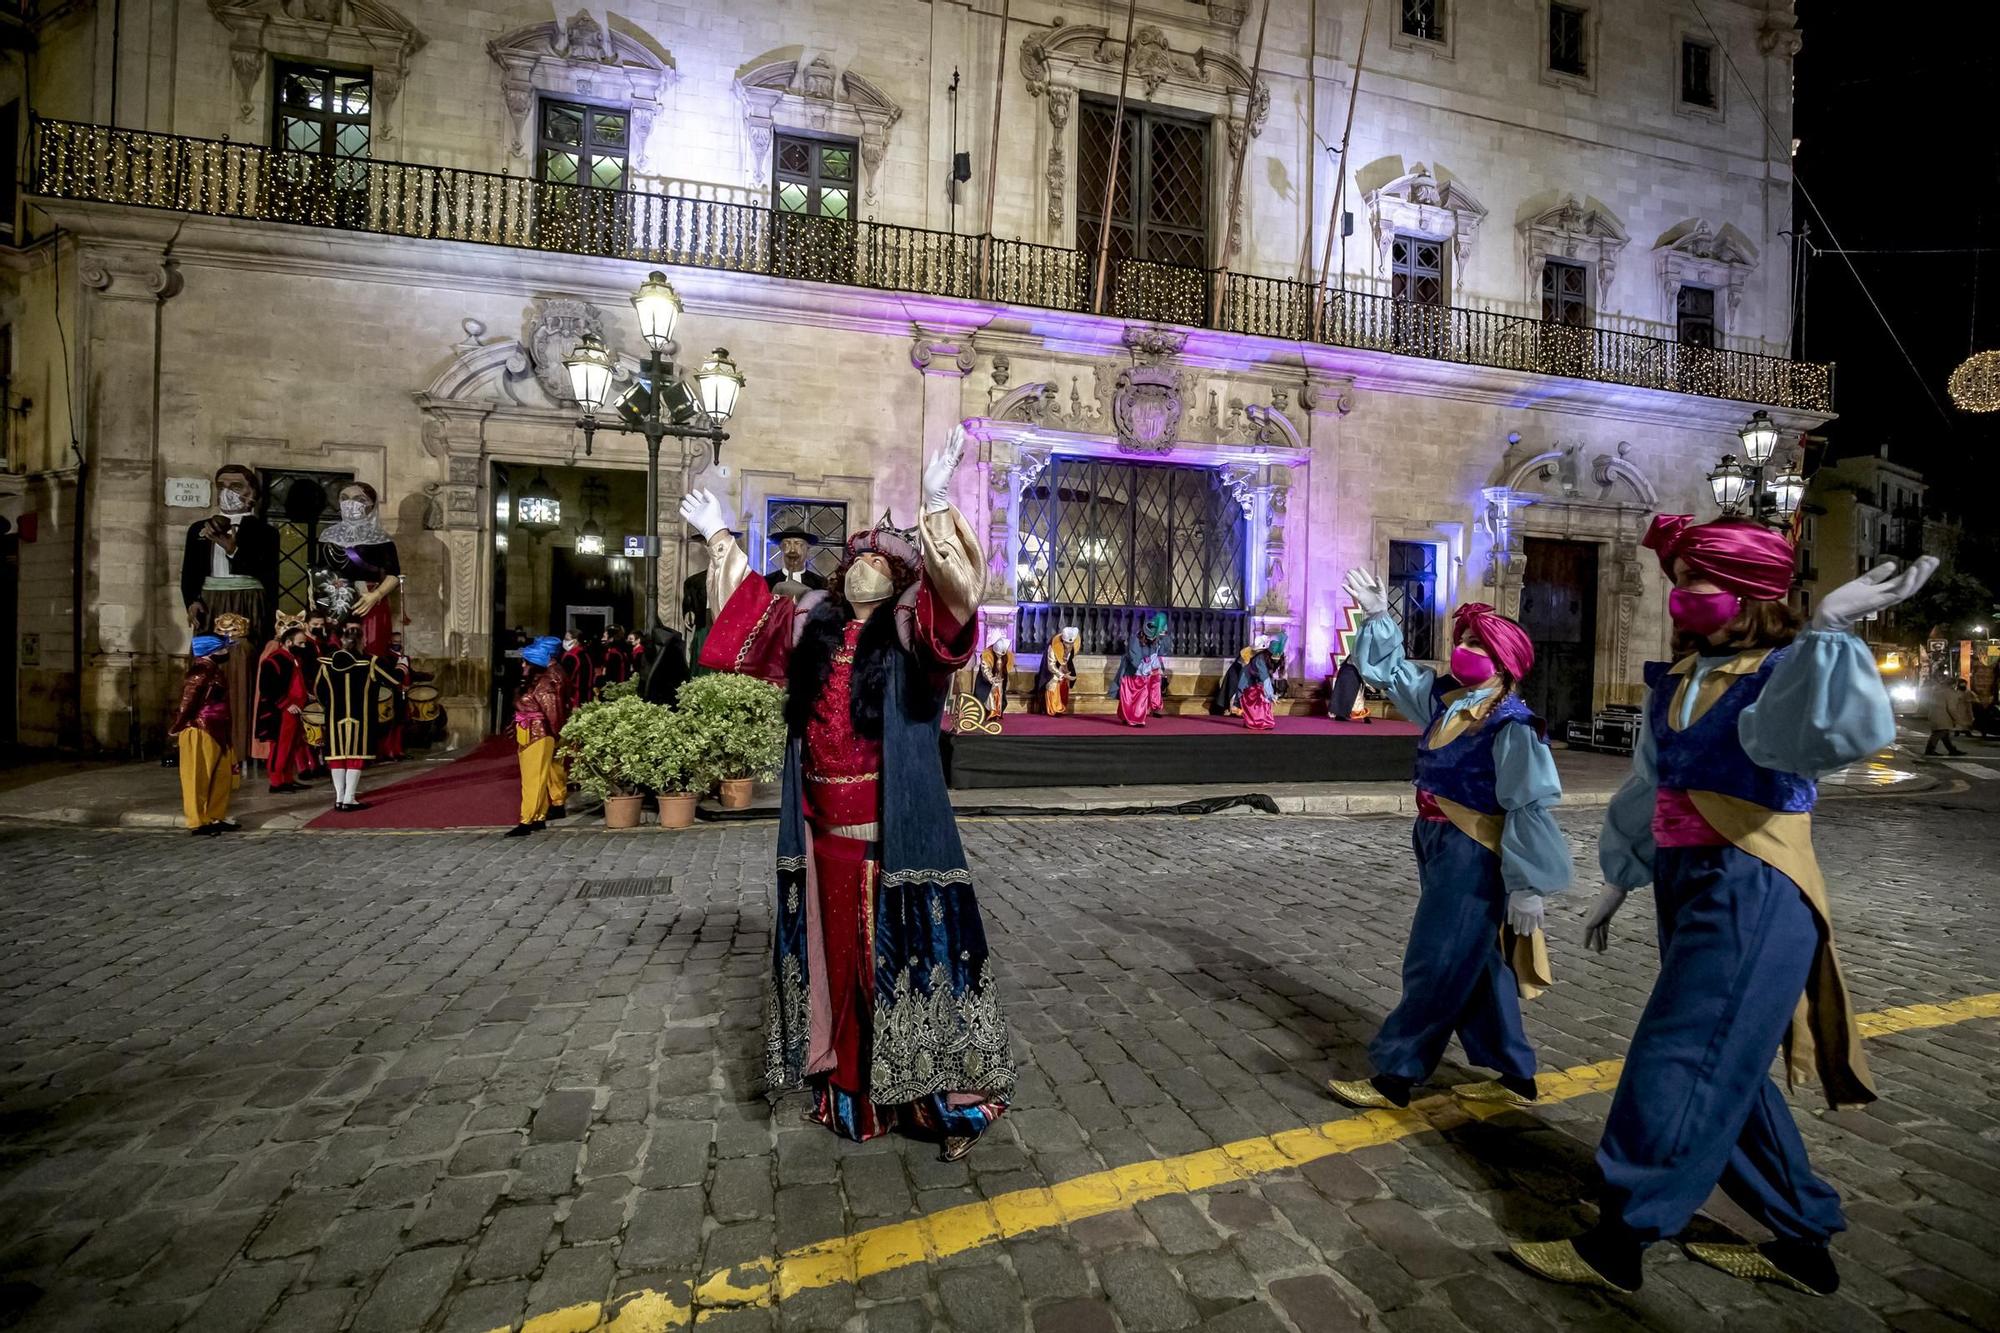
column 216, row 178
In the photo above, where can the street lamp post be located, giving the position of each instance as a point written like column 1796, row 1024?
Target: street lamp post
column 1736, row 487
column 670, row 409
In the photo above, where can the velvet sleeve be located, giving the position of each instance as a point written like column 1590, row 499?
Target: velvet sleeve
column 752, row 634
column 1534, row 855
column 1378, row 656
column 1625, row 847
column 1823, row 708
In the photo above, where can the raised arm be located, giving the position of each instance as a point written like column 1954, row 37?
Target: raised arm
column 954, row 567
column 1378, row 651
column 1824, row 706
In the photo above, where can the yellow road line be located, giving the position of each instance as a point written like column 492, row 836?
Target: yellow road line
column 845, row 1260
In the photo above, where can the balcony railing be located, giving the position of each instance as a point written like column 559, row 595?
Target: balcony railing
column 216, row 178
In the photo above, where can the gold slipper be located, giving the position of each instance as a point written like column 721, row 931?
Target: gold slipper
column 1490, row 1090
column 1360, row 1092
column 1747, row 1262
column 1558, row 1261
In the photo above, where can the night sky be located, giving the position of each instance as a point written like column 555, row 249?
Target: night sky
column 1895, row 113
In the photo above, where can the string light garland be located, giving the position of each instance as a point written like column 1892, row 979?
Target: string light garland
column 1975, row 385
column 73, row 160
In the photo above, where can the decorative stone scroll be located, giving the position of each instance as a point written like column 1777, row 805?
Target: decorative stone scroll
column 1586, row 233
column 344, row 32
column 580, row 59
column 1694, row 253
column 1417, row 204
column 809, row 95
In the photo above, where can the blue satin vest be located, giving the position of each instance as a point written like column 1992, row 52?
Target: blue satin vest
column 1709, row 755
column 1462, row 769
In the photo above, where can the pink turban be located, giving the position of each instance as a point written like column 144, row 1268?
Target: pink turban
column 1747, row 559
column 1511, row 649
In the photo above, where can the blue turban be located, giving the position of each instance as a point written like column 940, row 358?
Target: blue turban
column 208, row 645
column 542, row 651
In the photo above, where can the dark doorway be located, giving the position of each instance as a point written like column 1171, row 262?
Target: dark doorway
column 1559, row 611
column 588, row 593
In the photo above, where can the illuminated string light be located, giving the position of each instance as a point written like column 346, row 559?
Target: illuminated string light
column 1975, row 385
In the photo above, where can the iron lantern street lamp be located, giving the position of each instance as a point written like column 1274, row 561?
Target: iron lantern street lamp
column 1737, row 488
column 663, row 407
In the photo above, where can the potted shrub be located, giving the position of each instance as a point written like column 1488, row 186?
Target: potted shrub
column 621, row 749
column 737, row 733
column 668, row 768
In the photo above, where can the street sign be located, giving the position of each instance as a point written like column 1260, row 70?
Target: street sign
column 635, row 547
column 188, row 492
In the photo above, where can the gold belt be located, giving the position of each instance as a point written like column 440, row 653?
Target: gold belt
column 844, row 779
column 859, row 832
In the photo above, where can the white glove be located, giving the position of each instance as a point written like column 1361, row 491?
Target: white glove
column 1524, row 911
column 1877, row 590
column 1367, row 592
column 704, row 513
column 1597, row 926
column 938, row 472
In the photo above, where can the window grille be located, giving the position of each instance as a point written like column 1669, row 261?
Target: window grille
column 582, row 164
column 297, row 504
column 1565, row 293
column 1413, row 596
column 1697, row 73
column 824, row 523
column 322, row 128
column 1159, row 252
column 1104, row 543
column 1567, row 52
column 813, row 232
column 1424, row 20
column 1694, row 316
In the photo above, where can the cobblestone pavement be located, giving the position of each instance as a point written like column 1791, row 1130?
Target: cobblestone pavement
column 401, row 1083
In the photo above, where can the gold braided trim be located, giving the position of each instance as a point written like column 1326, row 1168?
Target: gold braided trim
column 845, row 779
column 763, row 619
column 791, row 863
column 897, row 878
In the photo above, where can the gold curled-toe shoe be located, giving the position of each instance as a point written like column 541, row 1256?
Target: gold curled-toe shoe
column 1360, row 1092
column 956, row 1146
column 1558, row 1261
column 1491, row 1091
column 1747, row 1262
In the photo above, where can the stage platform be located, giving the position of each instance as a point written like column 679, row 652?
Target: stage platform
column 1101, row 751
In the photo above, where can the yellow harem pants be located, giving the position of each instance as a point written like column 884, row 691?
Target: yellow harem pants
column 543, row 781
column 206, row 780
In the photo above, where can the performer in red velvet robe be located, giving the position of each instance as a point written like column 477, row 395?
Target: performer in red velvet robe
column 882, row 1000
column 283, row 690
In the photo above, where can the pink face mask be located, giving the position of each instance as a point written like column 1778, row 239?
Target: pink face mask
column 1702, row 613
column 1469, row 666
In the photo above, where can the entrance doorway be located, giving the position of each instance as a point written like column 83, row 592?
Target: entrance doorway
column 559, row 560
column 1559, row 611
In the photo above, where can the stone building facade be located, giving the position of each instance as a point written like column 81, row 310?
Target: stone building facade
column 1559, row 288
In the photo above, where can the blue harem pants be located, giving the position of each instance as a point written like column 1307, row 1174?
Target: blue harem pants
column 1454, row 976
column 1696, row 1105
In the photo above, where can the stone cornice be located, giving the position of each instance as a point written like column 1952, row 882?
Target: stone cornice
column 452, row 265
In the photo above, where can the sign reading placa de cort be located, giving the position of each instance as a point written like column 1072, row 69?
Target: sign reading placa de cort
column 187, row 492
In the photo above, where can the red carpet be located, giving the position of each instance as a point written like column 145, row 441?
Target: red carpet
column 1106, row 726
column 479, row 789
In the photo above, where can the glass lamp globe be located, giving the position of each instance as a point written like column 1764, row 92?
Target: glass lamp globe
column 589, row 367
column 1788, row 491
column 659, row 307
column 1729, row 483
column 1760, row 438
column 719, row 382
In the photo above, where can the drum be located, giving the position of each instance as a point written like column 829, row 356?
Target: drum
column 424, row 706
column 385, row 704
column 313, row 718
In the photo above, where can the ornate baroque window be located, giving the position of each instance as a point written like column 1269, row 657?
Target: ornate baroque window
column 583, row 145
column 1565, row 293
column 815, row 177
column 321, row 110
column 823, row 521
column 1159, row 207
column 1694, row 316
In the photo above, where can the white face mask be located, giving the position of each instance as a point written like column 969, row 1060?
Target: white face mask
column 865, row 583
column 354, row 509
column 232, row 502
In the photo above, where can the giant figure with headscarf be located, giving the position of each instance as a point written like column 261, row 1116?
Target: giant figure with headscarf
column 1488, row 853
column 883, row 1002
column 1717, row 817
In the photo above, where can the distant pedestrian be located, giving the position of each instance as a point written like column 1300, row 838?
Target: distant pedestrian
column 540, row 710
column 1949, row 709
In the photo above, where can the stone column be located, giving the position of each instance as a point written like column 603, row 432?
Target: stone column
column 135, row 630
column 999, row 610
column 456, row 436
column 1330, row 528
column 943, row 356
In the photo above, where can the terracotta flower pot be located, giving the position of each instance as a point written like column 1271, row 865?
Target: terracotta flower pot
column 622, row 811
column 677, row 809
column 736, row 793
